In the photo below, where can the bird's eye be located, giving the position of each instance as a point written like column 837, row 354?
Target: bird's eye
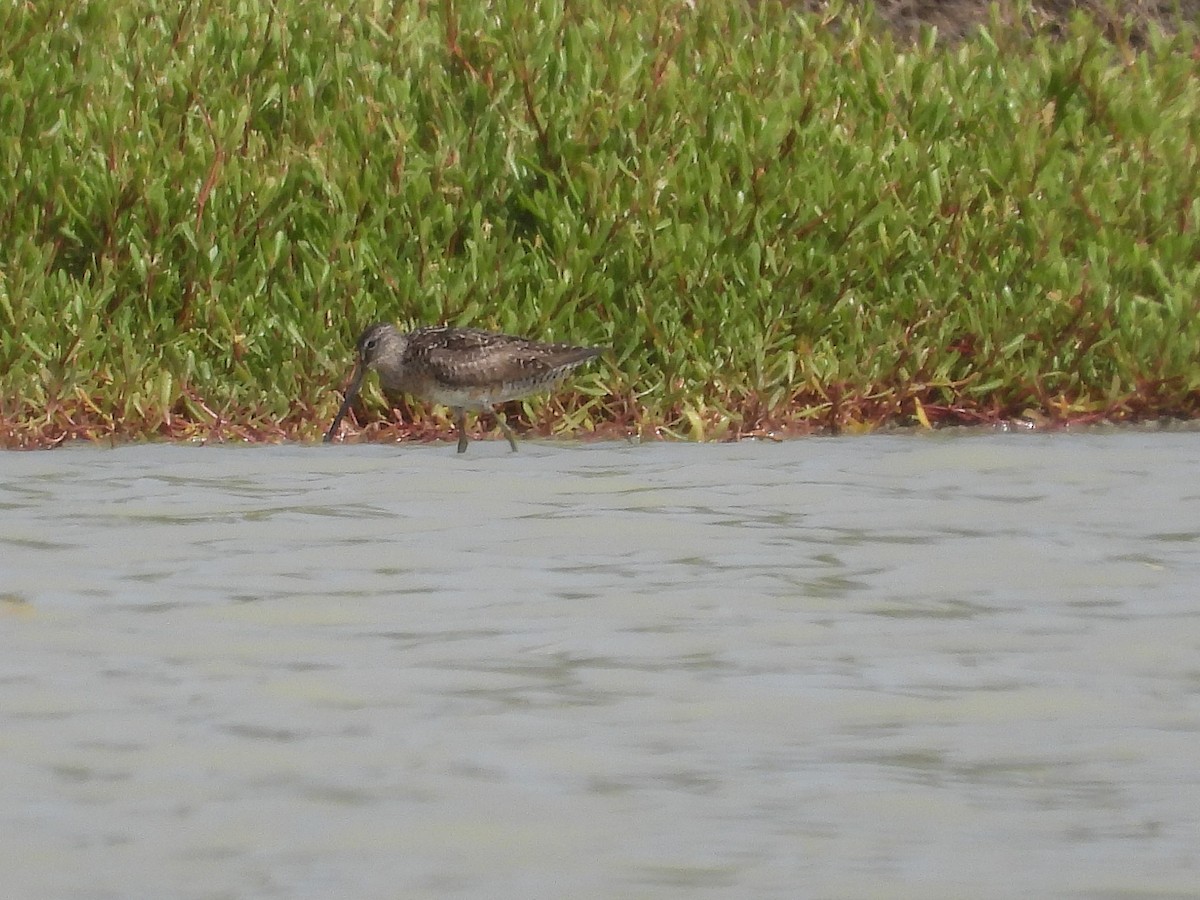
column 369, row 344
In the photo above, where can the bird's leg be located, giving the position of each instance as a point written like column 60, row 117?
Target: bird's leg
column 508, row 433
column 460, row 422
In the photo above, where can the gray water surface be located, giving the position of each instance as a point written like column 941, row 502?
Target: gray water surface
column 898, row 666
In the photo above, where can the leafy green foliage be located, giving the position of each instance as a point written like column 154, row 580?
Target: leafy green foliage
column 771, row 222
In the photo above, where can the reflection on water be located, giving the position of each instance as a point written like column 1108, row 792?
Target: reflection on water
column 937, row 666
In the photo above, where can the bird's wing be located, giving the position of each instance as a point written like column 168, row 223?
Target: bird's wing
column 471, row 358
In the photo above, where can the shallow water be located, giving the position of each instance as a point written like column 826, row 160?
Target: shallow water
column 926, row 666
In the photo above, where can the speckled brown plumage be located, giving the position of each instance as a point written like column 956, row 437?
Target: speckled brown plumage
column 463, row 368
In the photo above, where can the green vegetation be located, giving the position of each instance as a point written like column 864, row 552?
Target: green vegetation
column 775, row 222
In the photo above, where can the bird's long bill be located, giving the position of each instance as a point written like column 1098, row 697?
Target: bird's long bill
column 351, row 392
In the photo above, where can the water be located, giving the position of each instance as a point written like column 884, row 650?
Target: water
column 906, row 666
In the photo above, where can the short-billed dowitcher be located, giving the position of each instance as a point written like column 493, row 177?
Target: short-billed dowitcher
column 463, row 368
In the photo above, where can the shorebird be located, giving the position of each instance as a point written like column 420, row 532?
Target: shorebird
column 463, row 368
